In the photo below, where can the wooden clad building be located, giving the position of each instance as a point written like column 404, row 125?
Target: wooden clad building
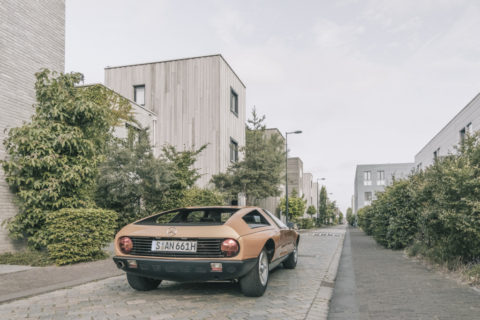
column 197, row 101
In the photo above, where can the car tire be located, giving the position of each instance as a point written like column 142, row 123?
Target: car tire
column 255, row 282
column 141, row 283
column 291, row 261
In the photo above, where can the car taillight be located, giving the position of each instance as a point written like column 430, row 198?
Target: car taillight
column 230, row 247
column 126, row 244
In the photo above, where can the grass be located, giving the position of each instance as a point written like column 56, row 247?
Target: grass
column 27, row 257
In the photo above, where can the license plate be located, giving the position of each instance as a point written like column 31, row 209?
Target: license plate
column 174, row 246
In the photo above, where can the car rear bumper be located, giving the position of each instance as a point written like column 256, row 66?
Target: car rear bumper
column 182, row 270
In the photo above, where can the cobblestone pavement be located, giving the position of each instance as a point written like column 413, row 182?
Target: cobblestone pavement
column 376, row 283
column 302, row 293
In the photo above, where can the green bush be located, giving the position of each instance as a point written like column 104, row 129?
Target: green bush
column 196, row 196
column 305, row 223
column 76, row 235
column 435, row 211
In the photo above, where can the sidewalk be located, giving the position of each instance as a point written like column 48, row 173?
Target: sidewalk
column 32, row 281
column 377, row 283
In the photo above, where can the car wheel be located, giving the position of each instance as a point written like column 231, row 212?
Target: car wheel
column 291, row 261
column 254, row 283
column 142, row 283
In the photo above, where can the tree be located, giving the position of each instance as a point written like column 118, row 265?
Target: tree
column 52, row 161
column 311, row 211
column 260, row 173
column 340, row 217
column 296, row 205
column 350, row 217
column 322, row 208
column 128, row 174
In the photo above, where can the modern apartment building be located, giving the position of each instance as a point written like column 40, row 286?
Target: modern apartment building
column 197, row 101
column 465, row 122
column 373, row 178
column 32, row 37
column 295, row 176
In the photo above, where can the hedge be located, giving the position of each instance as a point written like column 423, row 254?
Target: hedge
column 78, row 235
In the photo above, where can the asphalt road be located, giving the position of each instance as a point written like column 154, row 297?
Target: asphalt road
column 376, row 283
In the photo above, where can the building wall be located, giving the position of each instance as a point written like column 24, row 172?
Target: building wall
column 32, row 35
column 307, row 191
column 295, row 176
column 391, row 171
column 191, row 98
column 445, row 140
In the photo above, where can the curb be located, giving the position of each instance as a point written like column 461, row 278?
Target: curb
column 321, row 302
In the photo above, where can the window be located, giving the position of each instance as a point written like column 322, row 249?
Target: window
column 255, row 219
column 209, row 216
column 467, row 130
column 381, row 178
column 279, row 222
column 233, row 150
column 367, row 178
column 139, row 94
column 233, row 102
column 436, row 154
column 368, row 198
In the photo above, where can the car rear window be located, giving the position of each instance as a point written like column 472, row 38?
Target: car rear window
column 255, row 219
column 190, row 217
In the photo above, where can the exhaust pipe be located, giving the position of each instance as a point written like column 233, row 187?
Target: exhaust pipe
column 120, row 264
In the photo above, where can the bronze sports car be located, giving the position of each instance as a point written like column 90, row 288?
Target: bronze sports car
column 204, row 244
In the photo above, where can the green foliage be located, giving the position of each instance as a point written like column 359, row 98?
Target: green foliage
column 136, row 184
column 76, row 235
column 296, row 205
column 130, row 176
column 202, row 197
column 305, row 223
column 311, row 210
column 52, row 162
column 340, row 217
column 34, row 258
column 350, row 217
column 260, row 174
column 322, row 208
column 436, row 211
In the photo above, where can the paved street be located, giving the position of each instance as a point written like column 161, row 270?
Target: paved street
column 302, row 293
column 376, row 283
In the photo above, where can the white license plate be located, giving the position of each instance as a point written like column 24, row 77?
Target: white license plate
column 174, row 246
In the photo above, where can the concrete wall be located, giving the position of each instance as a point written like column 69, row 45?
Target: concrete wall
column 295, row 175
column 191, row 98
column 394, row 170
column 307, row 190
column 32, row 35
column 445, row 140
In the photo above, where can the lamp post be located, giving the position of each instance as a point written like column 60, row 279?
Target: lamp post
column 318, row 199
column 286, row 171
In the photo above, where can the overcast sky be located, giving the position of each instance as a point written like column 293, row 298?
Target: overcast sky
column 366, row 81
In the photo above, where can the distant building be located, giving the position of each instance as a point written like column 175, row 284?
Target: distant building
column 33, row 38
column 295, row 175
column 373, row 178
column 465, row 122
column 197, row 101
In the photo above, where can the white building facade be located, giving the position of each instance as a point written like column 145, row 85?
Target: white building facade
column 197, row 101
column 465, row 122
column 33, row 38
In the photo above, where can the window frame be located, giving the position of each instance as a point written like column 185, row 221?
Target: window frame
column 135, row 87
column 255, row 225
column 233, row 142
column 234, row 106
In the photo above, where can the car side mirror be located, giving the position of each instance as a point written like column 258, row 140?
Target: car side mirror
column 290, row 225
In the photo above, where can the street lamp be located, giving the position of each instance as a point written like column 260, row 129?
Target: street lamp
column 318, row 199
column 286, row 171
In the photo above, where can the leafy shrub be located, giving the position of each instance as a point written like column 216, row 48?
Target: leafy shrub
column 51, row 162
column 202, row 197
column 34, row 258
column 76, row 235
column 305, row 223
